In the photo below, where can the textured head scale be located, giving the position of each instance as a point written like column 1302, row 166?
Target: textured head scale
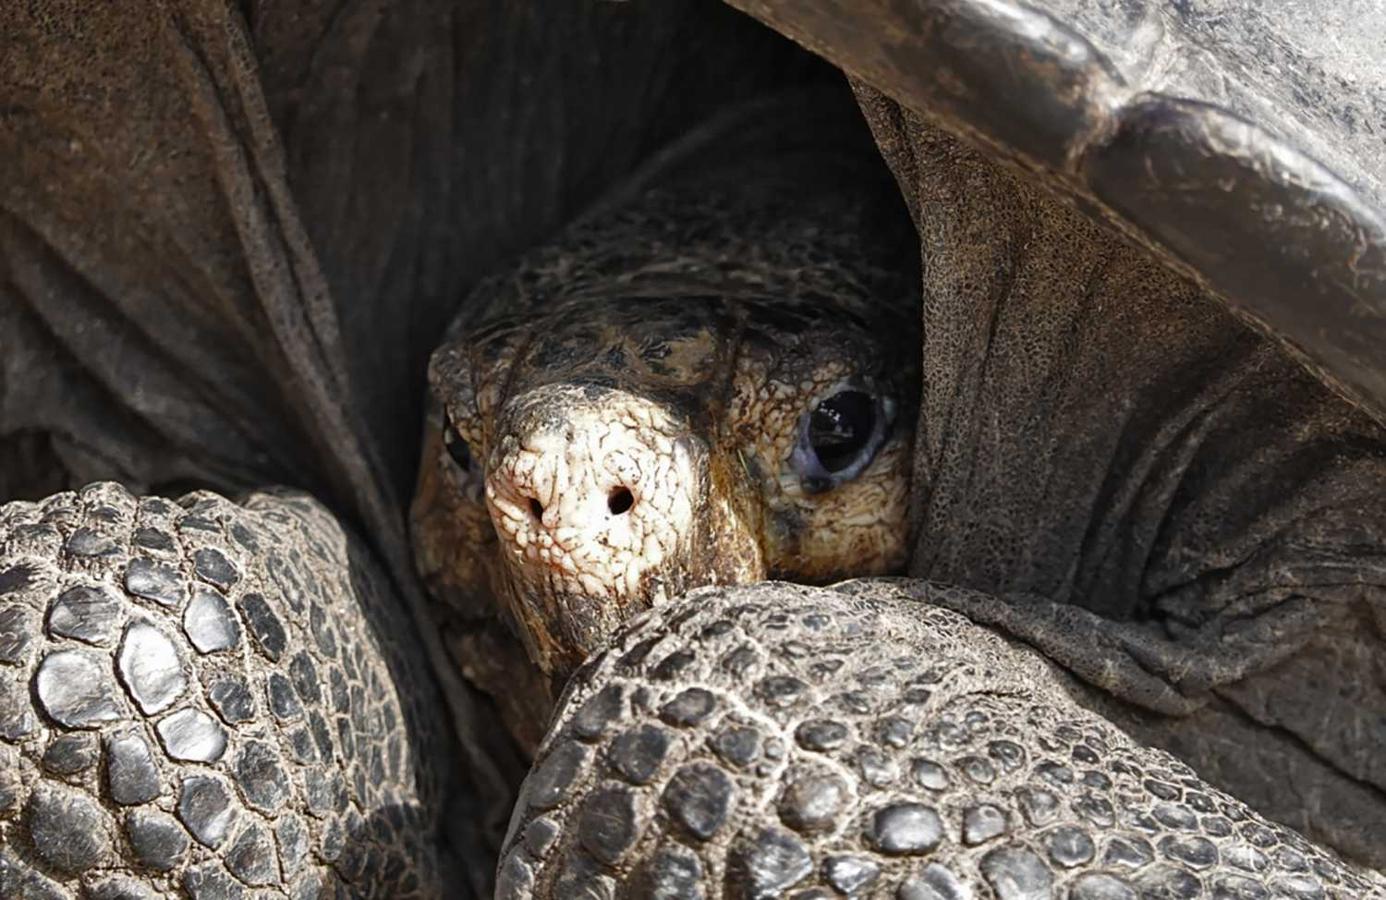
column 631, row 412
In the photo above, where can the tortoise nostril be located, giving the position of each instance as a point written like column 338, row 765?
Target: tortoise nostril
column 619, row 500
column 536, row 508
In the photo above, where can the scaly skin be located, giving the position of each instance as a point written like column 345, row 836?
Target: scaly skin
column 776, row 740
column 208, row 699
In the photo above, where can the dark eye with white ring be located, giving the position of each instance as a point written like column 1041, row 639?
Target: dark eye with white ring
column 840, row 436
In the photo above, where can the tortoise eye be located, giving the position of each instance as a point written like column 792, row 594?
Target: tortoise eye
column 839, row 436
column 457, row 446
column 840, row 427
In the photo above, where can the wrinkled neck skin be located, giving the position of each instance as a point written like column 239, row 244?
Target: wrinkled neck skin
column 1155, row 495
column 621, row 418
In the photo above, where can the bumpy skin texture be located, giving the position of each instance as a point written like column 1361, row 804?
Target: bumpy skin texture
column 775, row 740
column 667, row 347
column 210, row 700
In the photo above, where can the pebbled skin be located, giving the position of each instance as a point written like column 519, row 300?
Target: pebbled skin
column 212, row 700
column 779, row 740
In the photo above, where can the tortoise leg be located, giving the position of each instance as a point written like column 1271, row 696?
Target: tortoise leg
column 211, row 697
column 773, row 740
column 1276, row 700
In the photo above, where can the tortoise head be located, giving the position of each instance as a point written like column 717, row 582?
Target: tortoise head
column 621, row 422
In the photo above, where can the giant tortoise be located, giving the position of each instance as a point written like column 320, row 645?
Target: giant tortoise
column 1096, row 368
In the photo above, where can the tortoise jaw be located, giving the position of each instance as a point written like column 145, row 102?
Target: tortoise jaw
column 561, row 629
